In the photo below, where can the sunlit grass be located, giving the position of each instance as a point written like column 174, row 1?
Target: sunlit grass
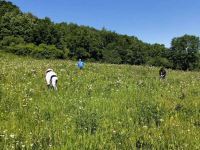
column 101, row 107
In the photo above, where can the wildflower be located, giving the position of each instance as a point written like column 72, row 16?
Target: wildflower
column 12, row 135
column 80, row 107
column 161, row 120
column 4, row 131
column 62, row 70
column 145, row 127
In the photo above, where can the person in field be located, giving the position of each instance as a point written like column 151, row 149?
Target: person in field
column 162, row 73
column 51, row 79
column 80, row 64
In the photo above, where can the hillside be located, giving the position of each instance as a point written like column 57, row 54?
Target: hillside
column 101, row 107
column 25, row 34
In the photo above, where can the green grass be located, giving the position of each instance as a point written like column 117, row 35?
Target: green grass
column 102, row 107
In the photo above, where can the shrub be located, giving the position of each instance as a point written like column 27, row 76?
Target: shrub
column 41, row 51
column 11, row 41
column 49, row 51
column 22, row 49
column 160, row 61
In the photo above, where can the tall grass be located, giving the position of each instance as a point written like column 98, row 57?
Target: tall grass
column 101, row 107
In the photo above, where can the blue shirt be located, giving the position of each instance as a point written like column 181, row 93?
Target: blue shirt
column 80, row 64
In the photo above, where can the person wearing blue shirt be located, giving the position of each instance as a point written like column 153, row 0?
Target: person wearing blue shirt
column 80, row 64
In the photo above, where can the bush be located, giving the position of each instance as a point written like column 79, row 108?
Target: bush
column 111, row 56
column 11, row 41
column 50, row 51
column 41, row 51
column 160, row 61
column 21, row 49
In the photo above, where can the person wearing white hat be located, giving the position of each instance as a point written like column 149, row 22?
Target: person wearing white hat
column 51, row 79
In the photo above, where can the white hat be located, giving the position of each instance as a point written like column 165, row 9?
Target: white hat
column 48, row 70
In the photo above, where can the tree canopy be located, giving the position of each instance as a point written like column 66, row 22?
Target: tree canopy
column 72, row 41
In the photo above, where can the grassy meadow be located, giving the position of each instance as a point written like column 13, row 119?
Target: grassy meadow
column 104, row 106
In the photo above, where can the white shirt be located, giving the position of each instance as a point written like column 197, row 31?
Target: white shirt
column 49, row 75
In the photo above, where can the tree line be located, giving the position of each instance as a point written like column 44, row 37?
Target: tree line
column 25, row 34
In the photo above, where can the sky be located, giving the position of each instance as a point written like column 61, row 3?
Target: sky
column 152, row 21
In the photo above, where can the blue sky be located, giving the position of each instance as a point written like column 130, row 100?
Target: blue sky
column 153, row 21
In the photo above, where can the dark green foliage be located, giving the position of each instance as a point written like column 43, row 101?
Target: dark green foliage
column 185, row 52
column 6, row 7
column 41, row 51
column 13, row 24
column 11, row 41
column 160, row 61
column 72, row 41
column 111, row 54
column 136, row 57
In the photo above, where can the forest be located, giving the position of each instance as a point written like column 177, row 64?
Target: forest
column 27, row 35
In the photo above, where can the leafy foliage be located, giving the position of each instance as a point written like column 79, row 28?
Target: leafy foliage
column 91, row 44
column 185, row 52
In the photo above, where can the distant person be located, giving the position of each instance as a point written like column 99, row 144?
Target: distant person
column 51, row 79
column 162, row 73
column 80, row 64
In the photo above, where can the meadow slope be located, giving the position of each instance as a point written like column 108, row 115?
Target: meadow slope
column 102, row 107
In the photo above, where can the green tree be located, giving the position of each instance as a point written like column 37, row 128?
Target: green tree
column 137, row 54
column 184, row 52
column 111, row 54
column 6, row 7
